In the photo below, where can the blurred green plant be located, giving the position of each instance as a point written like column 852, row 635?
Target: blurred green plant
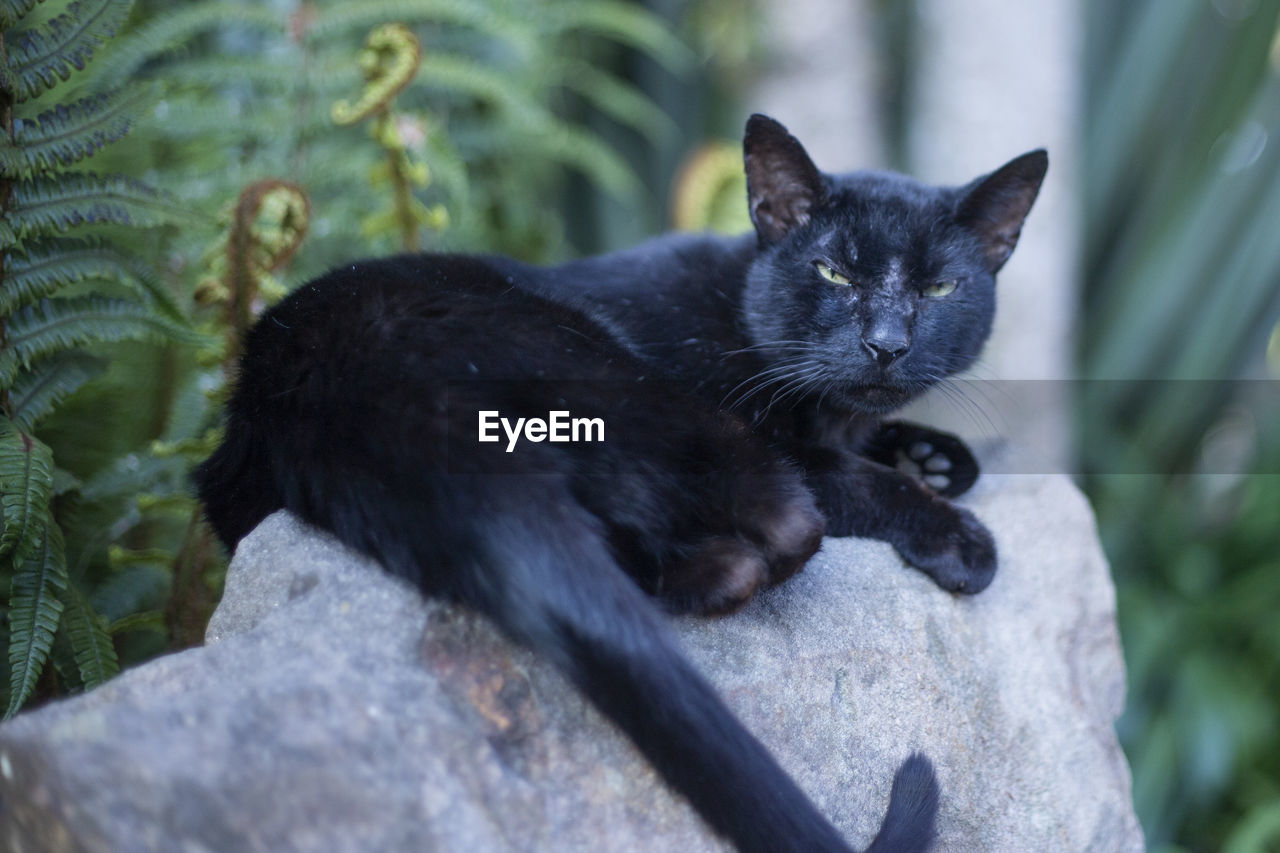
column 709, row 190
column 390, row 59
column 249, row 88
column 60, row 297
column 1182, row 273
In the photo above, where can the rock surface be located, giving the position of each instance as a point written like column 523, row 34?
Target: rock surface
column 333, row 710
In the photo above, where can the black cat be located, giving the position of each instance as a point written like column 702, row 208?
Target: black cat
column 740, row 385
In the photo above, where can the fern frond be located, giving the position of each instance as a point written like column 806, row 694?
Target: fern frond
column 67, row 134
column 55, row 203
column 34, row 612
column 580, row 150
column 43, row 56
column 54, row 325
column 26, row 480
column 90, row 638
column 481, row 17
column 454, row 73
column 263, row 73
column 145, row 620
column 624, row 23
column 171, row 31
column 536, row 124
column 195, row 116
column 50, row 264
column 12, row 11
column 616, row 99
column 38, row 392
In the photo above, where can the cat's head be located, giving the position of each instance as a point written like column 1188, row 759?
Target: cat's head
column 873, row 284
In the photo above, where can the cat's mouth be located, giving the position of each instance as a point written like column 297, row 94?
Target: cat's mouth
column 877, row 397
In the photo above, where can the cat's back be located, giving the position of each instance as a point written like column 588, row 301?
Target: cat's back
column 425, row 317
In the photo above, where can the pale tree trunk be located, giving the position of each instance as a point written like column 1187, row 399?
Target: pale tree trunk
column 996, row 78
column 820, row 79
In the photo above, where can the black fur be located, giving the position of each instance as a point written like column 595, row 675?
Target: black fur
column 741, row 392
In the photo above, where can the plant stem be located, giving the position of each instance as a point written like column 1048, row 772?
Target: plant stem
column 402, row 190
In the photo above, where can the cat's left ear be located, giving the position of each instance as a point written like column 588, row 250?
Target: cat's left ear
column 783, row 185
column 996, row 205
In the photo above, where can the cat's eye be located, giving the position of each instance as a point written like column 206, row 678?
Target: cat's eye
column 829, row 274
column 941, row 288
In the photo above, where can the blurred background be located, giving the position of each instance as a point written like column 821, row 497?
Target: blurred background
column 166, row 170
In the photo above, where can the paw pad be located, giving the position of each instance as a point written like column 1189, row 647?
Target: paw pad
column 926, row 464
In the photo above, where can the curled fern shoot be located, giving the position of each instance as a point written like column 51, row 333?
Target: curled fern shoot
column 266, row 227
column 389, row 61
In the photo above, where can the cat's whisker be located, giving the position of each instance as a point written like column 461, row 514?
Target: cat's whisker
column 795, row 386
column 974, row 411
column 779, row 372
column 802, row 346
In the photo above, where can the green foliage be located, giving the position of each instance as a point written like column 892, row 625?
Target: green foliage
column 37, row 392
column 1182, row 205
column 52, row 326
column 44, row 55
column 66, row 134
column 26, row 475
column 90, row 638
column 34, row 610
column 489, row 93
column 51, row 311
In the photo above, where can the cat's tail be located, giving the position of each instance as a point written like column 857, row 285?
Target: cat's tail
column 537, row 563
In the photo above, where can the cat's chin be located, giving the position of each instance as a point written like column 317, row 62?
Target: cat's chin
column 875, row 399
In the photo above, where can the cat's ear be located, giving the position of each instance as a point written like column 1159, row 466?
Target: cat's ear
column 783, row 185
column 996, row 205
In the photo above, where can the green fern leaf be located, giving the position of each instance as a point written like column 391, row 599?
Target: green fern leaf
column 39, row 391
column 625, row 104
column 48, row 265
column 624, row 23
column 67, row 134
column 12, row 11
column 171, row 31
column 26, row 481
column 55, row 203
column 459, row 74
column 34, row 612
column 485, row 18
column 54, row 325
column 586, row 153
column 146, row 620
column 43, row 56
column 90, row 639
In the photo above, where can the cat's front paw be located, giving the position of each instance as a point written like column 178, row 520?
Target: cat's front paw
column 953, row 548
column 939, row 461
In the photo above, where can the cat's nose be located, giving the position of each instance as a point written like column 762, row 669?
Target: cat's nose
column 885, row 350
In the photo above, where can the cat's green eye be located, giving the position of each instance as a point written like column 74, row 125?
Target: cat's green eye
column 941, row 288
column 829, row 274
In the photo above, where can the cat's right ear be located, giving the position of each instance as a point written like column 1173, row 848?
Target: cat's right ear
column 996, row 205
column 783, row 185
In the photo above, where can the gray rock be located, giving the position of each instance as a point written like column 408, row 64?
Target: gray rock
column 333, row 710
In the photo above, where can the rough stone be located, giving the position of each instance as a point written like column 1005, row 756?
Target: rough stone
column 334, row 710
